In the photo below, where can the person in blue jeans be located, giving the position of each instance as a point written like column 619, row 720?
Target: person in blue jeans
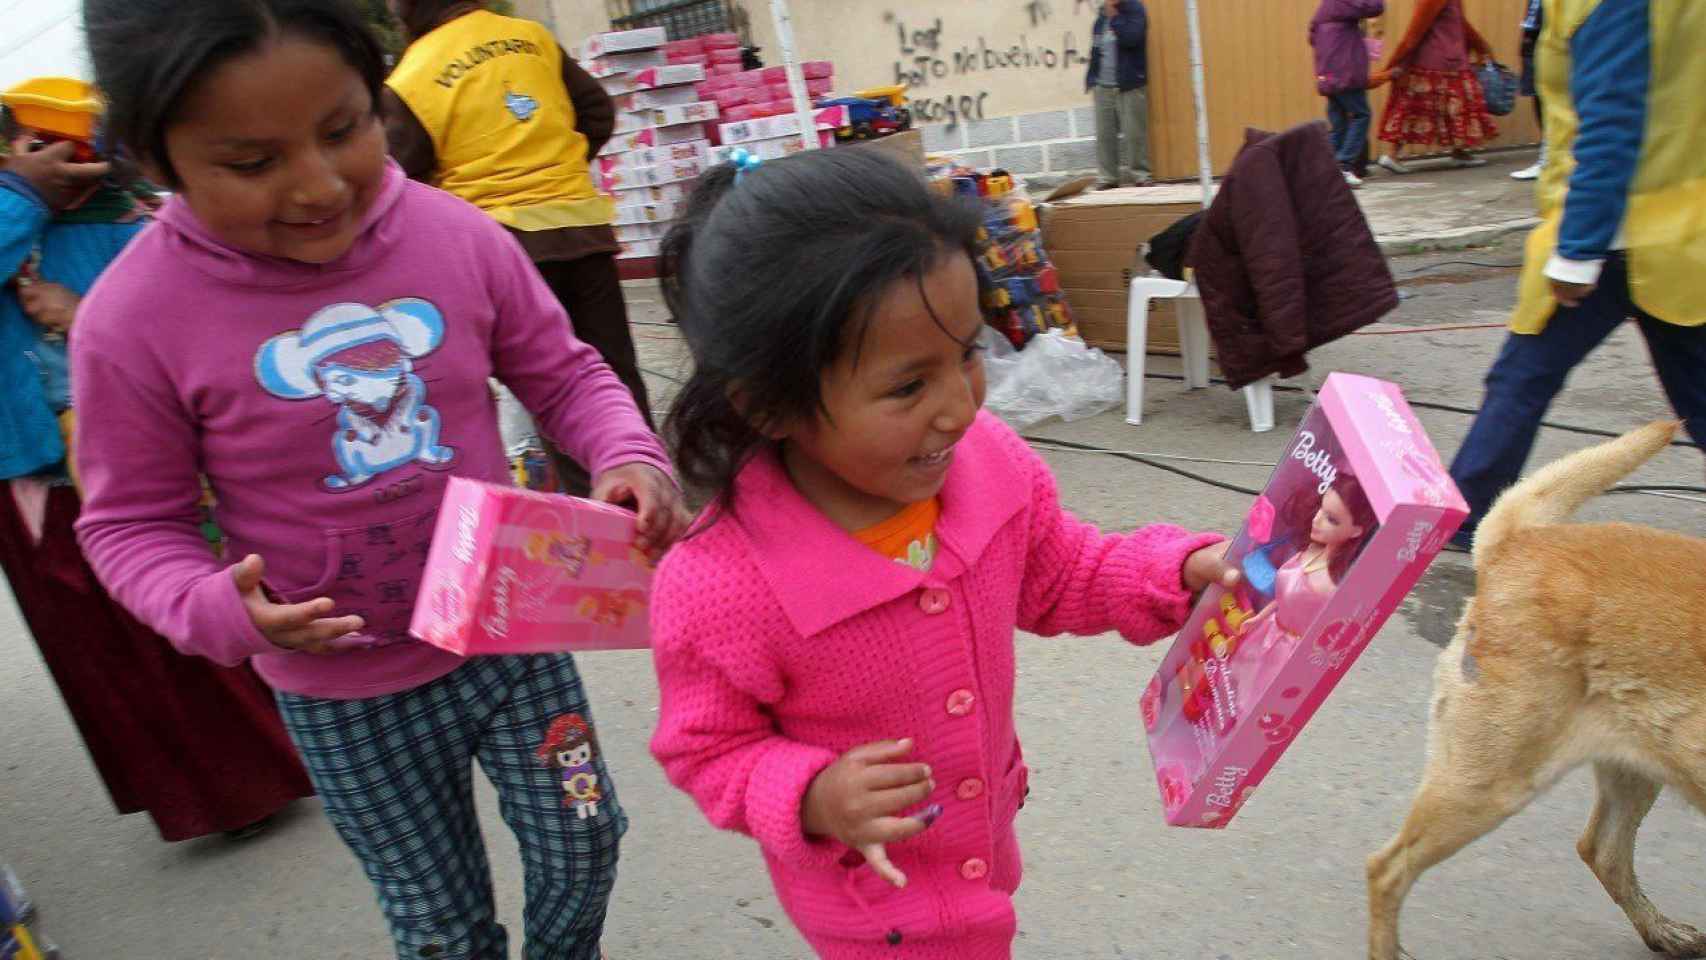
column 1341, row 75
column 1623, row 231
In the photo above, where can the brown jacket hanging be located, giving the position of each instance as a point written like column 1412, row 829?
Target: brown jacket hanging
column 1284, row 258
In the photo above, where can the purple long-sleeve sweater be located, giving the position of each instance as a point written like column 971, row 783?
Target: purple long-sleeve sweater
column 327, row 405
column 1341, row 55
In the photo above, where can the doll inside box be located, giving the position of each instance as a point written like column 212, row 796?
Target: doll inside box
column 1299, row 541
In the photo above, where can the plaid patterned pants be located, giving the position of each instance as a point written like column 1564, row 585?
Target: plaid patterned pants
column 396, row 776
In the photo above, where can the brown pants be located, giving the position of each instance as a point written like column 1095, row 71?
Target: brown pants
column 590, row 289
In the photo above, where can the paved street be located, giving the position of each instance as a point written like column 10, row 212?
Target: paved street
column 1105, row 877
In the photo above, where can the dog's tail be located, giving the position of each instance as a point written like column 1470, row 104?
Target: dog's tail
column 1556, row 491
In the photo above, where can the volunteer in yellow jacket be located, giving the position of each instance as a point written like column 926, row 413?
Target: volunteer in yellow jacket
column 492, row 110
column 1623, row 224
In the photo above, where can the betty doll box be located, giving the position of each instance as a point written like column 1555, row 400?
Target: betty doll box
column 518, row 571
column 1357, row 508
column 623, row 41
column 696, row 112
column 652, row 156
column 769, row 128
column 642, row 138
column 639, row 100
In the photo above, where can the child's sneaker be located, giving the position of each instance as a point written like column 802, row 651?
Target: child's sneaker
column 1352, row 179
column 1392, row 164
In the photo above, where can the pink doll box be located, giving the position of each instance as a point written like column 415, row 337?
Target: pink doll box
column 517, row 571
column 1348, row 522
column 624, row 41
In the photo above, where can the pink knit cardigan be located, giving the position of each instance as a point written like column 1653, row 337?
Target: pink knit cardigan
column 780, row 643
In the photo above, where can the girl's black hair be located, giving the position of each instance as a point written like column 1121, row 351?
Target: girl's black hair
column 148, row 54
column 772, row 274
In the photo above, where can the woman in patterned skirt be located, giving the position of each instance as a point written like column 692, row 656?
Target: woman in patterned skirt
column 1436, row 98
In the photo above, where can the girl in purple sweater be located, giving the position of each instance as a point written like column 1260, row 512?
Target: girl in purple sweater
column 315, row 333
column 834, row 643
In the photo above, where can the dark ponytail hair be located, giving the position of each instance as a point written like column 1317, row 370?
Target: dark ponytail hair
column 148, row 54
column 773, row 274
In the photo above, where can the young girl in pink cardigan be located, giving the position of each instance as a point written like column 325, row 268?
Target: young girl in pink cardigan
column 834, row 642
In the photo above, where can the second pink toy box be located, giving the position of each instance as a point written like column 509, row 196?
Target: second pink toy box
column 518, row 571
column 1356, row 509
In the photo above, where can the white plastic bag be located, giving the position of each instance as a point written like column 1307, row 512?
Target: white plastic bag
column 514, row 424
column 1054, row 376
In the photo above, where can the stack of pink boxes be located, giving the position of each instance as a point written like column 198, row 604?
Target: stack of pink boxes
column 660, row 145
column 756, row 94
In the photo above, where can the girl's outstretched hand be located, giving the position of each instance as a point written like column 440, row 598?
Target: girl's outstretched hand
column 1207, row 567
column 304, row 627
column 855, row 799
column 649, row 492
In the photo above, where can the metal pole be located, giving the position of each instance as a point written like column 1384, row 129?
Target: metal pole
column 1205, row 169
column 796, row 80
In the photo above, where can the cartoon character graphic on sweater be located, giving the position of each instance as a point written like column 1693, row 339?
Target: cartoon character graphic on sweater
column 362, row 360
column 571, row 749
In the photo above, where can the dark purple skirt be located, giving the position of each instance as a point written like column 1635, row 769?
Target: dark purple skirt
column 197, row 746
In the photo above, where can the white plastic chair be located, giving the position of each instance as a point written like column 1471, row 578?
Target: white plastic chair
column 1193, row 344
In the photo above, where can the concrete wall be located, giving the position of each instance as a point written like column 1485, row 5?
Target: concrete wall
column 573, row 20
column 964, row 61
column 1003, row 80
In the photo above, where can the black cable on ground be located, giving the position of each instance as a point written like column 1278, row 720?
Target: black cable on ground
column 1135, row 458
column 1249, row 491
column 1459, row 263
column 663, row 376
column 1446, row 407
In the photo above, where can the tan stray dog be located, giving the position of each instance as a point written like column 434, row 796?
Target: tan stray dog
column 1584, row 643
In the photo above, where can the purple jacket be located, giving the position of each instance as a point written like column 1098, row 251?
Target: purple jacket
column 1341, row 56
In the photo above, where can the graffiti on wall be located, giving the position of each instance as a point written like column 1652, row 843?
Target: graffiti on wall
column 942, row 67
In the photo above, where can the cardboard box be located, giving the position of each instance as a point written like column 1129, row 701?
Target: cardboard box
column 634, row 232
column 620, row 63
column 646, row 213
column 662, row 98
column 639, row 250
column 672, row 172
column 1094, row 241
column 518, row 571
column 667, row 76
column 601, row 45
column 696, row 112
column 652, row 156
column 906, row 146
column 769, row 128
column 773, row 149
column 654, row 193
column 646, row 137
column 1350, row 519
